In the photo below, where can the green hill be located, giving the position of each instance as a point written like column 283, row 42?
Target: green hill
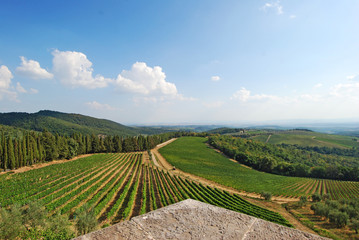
column 68, row 123
column 308, row 138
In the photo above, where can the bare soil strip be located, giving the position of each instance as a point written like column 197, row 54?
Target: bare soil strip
column 157, row 194
column 137, row 205
column 123, row 161
column 41, row 165
column 101, row 174
column 77, row 181
column 268, row 138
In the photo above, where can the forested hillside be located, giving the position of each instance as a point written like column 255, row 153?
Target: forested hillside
column 69, row 123
column 291, row 160
column 36, row 147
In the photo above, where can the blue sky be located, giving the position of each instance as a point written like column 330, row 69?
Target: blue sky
column 148, row 62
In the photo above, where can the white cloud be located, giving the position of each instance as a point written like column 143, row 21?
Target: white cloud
column 352, row 77
column 273, row 5
column 32, row 69
column 5, row 77
column 244, row 95
column 99, row 106
column 5, row 84
column 215, row 78
column 73, row 69
column 318, row 85
column 292, row 16
column 20, row 88
column 34, row 91
column 347, row 90
column 145, row 80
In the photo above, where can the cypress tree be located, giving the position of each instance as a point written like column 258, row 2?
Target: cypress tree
column 24, row 154
column 1, row 150
column 21, row 156
column 16, row 153
column 11, row 155
column 4, row 166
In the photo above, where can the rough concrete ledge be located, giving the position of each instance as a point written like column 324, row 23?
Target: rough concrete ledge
column 191, row 219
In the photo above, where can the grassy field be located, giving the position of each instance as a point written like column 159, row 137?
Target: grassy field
column 306, row 138
column 191, row 154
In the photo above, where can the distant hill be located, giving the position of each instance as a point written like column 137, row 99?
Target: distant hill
column 68, row 123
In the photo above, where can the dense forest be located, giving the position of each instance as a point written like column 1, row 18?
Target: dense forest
column 36, row 147
column 290, row 160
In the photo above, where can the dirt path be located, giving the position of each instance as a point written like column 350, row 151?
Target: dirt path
column 254, row 198
column 268, row 138
column 41, row 165
column 167, row 166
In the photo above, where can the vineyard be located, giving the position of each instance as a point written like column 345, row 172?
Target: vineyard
column 117, row 186
column 191, row 155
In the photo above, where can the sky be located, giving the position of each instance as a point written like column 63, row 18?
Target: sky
column 182, row 61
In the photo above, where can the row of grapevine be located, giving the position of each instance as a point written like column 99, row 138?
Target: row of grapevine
column 117, row 187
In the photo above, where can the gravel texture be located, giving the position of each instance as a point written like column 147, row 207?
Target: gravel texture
column 191, row 219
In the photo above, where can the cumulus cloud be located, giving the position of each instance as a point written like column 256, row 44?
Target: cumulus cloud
column 5, row 77
column 144, row 80
column 245, row 95
column 5, row 84
column 32, row 69
column 215, row 78
column 73, row 69
column 99, row 106
column 274, row 5
column 20, row 88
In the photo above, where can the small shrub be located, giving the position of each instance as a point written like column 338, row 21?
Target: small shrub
column 354, row 225
column 316, row 197
column 266, row 195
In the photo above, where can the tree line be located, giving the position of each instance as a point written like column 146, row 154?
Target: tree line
column 287, row 159
column 34, row 147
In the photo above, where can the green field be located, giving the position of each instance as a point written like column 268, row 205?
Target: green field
column 191, row 154
column 307, row 138
column 117, row 186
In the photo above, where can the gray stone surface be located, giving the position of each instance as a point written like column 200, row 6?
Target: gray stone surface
column 191, row 219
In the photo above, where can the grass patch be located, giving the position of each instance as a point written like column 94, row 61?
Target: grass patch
column 191, row 154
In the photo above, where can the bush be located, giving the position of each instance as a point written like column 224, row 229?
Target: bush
column 339, row 218
column 266, row 195
column 11, row 222
column 31, row 222
column 85, row 220
column 316, row 197
column 320, row 209
column 354, row 225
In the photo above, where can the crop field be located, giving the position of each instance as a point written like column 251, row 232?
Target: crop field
column 305, row 138
column 117, row 186
column 191, row 154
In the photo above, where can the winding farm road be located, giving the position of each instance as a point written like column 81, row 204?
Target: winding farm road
column 274, row 205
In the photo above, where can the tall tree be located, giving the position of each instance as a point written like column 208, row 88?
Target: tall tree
column 11, row 155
